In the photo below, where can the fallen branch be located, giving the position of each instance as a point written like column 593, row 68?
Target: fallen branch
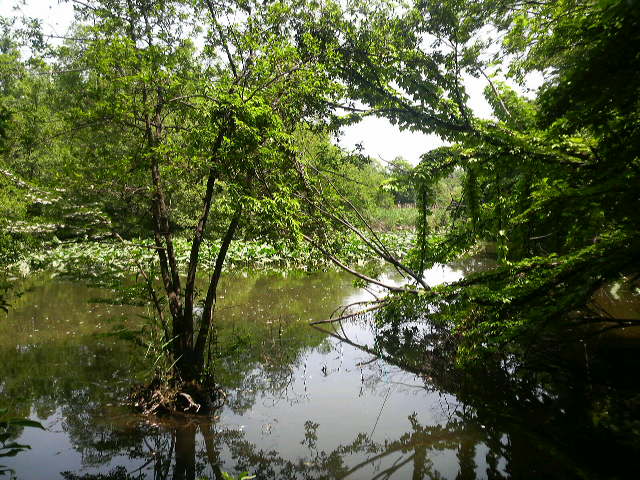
column 344, row 308
column 345, row 317
column 354, row 272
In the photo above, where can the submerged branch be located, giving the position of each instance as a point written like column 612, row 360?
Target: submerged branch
column 344, row 308
column 346, row 317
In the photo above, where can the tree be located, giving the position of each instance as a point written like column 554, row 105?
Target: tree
column 402, row 183
column 159, row 113
column 529, row 173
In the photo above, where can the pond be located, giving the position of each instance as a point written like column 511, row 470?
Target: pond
column 302, row 402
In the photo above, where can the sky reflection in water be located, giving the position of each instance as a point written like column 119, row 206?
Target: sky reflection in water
column 301, row 404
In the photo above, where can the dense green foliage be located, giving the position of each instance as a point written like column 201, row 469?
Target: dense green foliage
column 162, row 145
column 144, row 123
column 552, row 181
column 168, row 121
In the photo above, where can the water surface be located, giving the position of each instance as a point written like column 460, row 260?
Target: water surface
column 301, row 403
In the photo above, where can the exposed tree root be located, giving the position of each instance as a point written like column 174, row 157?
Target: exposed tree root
column 168, row 398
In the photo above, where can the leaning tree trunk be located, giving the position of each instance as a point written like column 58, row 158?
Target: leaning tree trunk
column 210, row 300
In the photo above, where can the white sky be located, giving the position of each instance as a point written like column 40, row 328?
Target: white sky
column 378, row 137
column 56, row 15
column 385, row 141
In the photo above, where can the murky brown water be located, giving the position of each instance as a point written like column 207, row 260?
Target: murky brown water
column 302, row 404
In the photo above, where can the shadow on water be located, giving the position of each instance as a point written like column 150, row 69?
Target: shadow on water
column 354, row 402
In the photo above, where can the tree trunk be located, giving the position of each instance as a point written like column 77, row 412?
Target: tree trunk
column 210, row 300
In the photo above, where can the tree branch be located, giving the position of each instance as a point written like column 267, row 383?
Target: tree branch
column 354, row 272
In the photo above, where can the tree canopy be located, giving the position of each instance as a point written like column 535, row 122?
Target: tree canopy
column 552, row 181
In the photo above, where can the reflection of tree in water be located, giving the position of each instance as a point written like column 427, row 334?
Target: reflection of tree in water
column 359, row 457
column 36, row 378
column 118, row 473
column 264, row 364
column 543, row 416
column 532, row 425
column 525, row 425
column 192, row 459
column 261, row 339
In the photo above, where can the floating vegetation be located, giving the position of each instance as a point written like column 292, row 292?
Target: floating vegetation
column 95, row 259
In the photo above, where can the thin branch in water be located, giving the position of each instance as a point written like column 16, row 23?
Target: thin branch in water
column 346, row 317
column 344, row 308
